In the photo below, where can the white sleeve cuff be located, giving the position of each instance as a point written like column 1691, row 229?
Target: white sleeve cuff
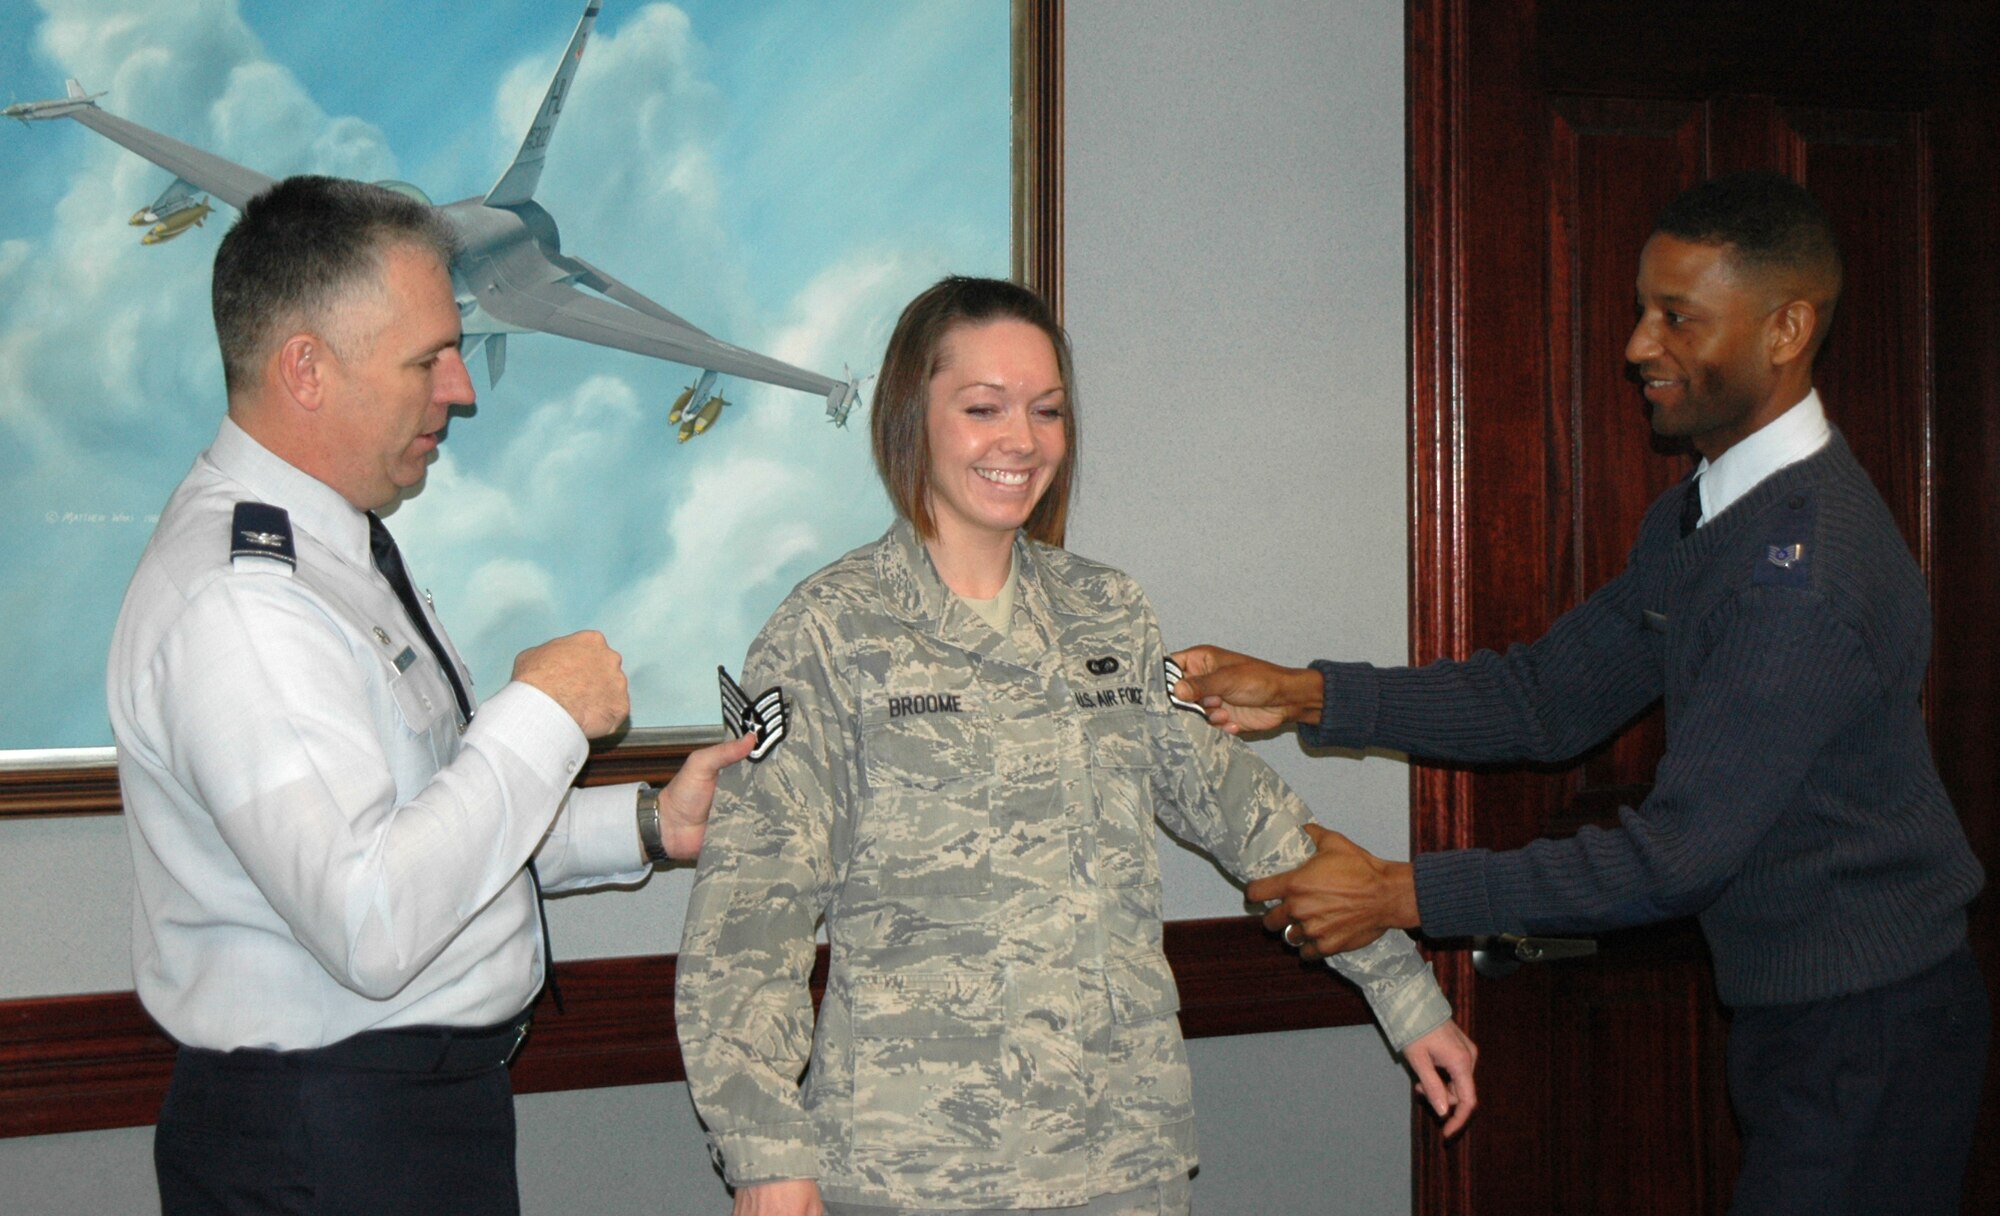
column 528, row 722
column 601, row 828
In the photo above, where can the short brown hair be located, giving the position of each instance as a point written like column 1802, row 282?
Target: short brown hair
column 902, row 394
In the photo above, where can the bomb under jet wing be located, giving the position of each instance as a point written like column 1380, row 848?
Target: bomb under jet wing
column 207, row 172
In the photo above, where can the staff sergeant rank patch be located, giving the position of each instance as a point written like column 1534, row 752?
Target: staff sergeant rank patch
column 767, row 715
column 1174, row 676
column 260, row 530
column 1785, row 557
column 1783, row 566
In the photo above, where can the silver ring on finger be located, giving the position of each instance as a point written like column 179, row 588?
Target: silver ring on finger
column 1293, row 941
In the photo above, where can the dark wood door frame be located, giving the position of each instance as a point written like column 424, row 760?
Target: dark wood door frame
column 1439, row 619
column 1951, row 50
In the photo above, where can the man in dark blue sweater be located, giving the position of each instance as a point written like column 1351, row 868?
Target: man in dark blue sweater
column 1772, row 604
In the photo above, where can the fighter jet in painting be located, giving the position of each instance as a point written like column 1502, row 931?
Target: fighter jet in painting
column 511, row 275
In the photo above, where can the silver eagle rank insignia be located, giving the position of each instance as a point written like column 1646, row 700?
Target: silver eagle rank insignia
column 260, row 530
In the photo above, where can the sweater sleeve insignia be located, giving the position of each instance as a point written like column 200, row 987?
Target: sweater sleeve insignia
column 1783, row 566
column 1784, row 559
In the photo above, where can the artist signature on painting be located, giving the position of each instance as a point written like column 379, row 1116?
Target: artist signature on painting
column 105, row 518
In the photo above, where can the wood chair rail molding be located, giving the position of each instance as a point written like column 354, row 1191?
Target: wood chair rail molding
column 93, row 789
column 95, row 1061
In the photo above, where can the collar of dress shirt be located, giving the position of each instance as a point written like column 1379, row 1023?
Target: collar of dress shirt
column 1787, row 439
column 315, row 507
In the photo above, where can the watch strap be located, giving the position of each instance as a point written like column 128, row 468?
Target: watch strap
column 650, row 837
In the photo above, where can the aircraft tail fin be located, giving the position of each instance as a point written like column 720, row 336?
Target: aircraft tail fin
column 75, row 90
column 517, row 184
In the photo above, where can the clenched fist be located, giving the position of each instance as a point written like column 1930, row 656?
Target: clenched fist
column 583, row 675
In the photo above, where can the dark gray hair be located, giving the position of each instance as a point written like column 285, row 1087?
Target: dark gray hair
column 300, row 250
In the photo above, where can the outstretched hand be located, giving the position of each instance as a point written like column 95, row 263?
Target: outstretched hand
column 1243, row 693
column 685, row 802
column 1342, row 897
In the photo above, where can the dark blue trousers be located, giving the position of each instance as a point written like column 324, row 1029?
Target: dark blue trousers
column 1862, row 1105
column 265, row 1132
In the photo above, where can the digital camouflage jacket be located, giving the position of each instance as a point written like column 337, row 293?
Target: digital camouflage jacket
column 973, row 817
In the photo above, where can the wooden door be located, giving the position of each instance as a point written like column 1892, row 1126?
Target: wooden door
column 1544, row 138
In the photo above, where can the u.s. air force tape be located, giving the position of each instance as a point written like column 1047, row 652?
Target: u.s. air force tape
column 1174, row 676
column 766, row 714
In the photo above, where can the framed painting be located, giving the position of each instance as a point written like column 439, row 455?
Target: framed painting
column 757, row 189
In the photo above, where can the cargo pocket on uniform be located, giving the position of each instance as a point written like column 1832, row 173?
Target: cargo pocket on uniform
column 927, row 826
column 928, row 1062
column 1121, row 775
column 1146, row 1066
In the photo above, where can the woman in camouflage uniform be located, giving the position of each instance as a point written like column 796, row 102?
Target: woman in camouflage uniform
column 978, row 742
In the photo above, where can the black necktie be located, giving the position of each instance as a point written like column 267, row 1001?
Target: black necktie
column 1691, row 507
column 389, row 560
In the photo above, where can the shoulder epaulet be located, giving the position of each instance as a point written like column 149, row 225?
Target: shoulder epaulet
column 262, row 532
column 1783, row 559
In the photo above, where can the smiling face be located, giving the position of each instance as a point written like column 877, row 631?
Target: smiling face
column 392, row 372
column 995, row 425
column 1716, row 353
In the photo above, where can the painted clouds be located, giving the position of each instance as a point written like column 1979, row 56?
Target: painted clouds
column 111, row 382
column 564, row 501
